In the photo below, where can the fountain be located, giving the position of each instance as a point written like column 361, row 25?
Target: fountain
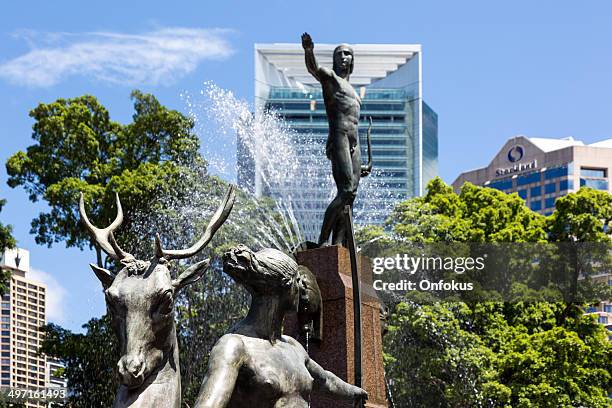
column 254, row 362
column 286, row 175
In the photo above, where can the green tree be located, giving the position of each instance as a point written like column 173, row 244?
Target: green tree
column 88, row 359
column 476, row 214
column 493, row 354
column 4, row 402
column 432, row 360
column 584, row 216
column 154, row 164
column 581, row 223
column 80, row 149
column 6, row 231
column 496, row 355
column 545, row 358
column 6, row 241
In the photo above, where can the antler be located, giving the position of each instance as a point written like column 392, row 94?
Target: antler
column 104, row 237
column 215, row 223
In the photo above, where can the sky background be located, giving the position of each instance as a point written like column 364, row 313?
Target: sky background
column 490, row 70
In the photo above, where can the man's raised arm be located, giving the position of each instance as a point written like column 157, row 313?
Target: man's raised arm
column 311, row 62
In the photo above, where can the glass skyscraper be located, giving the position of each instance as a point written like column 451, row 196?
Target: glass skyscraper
column 404, row 130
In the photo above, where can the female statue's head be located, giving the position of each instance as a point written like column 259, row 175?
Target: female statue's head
column 268, row 272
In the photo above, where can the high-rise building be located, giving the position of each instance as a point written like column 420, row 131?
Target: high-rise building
column 541, row 170
column 23, row 313
column 388, row 78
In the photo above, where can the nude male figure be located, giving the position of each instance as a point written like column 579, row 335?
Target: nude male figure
column 342, row 105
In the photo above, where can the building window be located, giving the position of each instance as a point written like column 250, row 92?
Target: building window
column 594, row 183
column 522, row 194
column 608, row 308
column 550, row 202
column 528, row 179
column 550, row 188
column 596, row 173
column 603, row 319
column 536, row 205
column 556, row 172
column 536, row 191
column 505, row 184
column 566, row 185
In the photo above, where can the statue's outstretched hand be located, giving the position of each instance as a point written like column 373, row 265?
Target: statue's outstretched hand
column 307, row 43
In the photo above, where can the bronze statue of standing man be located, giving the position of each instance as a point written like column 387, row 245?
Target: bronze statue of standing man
column 342, row 105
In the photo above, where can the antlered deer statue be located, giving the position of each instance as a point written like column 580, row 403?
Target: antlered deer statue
column 140, row 300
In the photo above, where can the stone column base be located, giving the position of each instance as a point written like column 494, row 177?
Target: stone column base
column 331, row 265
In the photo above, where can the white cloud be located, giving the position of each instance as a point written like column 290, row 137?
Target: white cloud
column 56, row 294
column 152, row 58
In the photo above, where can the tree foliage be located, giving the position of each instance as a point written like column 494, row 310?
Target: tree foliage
column 6, row 231
column 80, row 149
column 87, row 357
column 474, row 215
column 584, row 216
column 497, row 355
column 493, row 354
column 154, row 164
column 6, row 241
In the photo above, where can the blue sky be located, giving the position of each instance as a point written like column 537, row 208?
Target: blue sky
column 491, row 71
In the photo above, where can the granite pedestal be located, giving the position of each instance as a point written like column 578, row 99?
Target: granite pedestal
column 332, row 267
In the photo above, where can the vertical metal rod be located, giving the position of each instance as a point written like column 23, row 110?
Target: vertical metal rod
column 348, row 213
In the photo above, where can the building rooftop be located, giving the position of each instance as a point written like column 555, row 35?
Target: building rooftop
column 549, row 145
column 373, row 61
column 604, row 143
column 15, row 259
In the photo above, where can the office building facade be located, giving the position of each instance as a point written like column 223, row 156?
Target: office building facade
column 404, row 128
column 541, row 170
column 23, row 313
